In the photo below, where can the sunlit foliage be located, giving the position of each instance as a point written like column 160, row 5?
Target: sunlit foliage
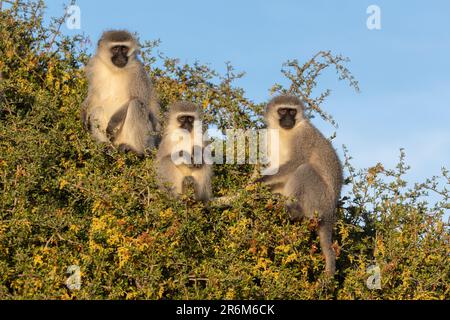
column 67, row 201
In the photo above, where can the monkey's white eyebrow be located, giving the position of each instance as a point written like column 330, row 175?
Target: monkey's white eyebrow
column 286, row 106
column 132, row 47
column 131, row 51
column 115, row 44
column 183, row 114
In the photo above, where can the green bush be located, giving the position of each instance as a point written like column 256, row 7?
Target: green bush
column 67, row 201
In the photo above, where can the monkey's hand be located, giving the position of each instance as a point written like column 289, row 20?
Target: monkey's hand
column 196, row 166
column 262, row 179
column 195, row 163
column 271, row 181
column 187, row 160
column 281, row 171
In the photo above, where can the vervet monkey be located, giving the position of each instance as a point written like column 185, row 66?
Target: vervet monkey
column 121, row 106
column 180, row 155
column 309, row 171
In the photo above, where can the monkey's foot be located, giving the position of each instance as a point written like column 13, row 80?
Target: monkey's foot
column 294, row 210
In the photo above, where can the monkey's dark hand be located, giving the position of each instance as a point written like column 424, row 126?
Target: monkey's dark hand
column 196, row 166
column 85, row 120
column 116, row 122
column 195, row 163
column 188, row 160
column 262, row 179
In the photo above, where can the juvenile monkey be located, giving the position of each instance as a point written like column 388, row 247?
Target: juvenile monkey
column 179, row 159
column 309, row 171
column 121, row 106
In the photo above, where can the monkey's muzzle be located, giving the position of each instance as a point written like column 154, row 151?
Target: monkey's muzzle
column 186, row 122
column 287, row 123
column 119, row 60
column 187, row 126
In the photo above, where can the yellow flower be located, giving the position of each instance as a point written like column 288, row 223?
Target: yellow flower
column 166, row 214
column 74, row 228
column 230, row 295
column 124, row 256
column 37, row 261
column 161, row 291
column 291, row 258
column 62, row 184
column 283, row 248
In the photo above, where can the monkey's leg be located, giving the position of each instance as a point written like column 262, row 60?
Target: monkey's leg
column 169, row 173
column 188, row 184
column 202, row 184
column 116, row 122
column 309, row 195
column 135, row 132
column 97, row 124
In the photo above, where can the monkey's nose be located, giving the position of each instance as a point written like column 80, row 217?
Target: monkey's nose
column 187, row 126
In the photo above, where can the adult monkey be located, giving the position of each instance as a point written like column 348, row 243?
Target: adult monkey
column 121, row 106
column 309, row 171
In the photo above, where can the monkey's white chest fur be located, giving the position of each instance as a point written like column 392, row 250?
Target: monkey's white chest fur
column 278, row 150
column 112, row 92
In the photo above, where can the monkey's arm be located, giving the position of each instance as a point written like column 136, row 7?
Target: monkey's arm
column 278, row 177
column 154, row 110
column 116, row 122
column 142, row 89
column 167, row 161
column 154, row 121
column 84, row 114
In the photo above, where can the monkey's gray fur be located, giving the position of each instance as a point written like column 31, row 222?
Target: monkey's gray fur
column 310, row 173
column 121, row 106
column 180, row 119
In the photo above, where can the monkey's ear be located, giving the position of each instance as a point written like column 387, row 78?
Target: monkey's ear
column 304, row 103
column 134, row 51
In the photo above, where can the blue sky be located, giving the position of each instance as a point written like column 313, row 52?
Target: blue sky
column 403, row 69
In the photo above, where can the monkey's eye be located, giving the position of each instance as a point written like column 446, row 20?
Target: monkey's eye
column 124, row 50
column 282, row 112
column 183, row 119
column 120, row 49
column 293, row 112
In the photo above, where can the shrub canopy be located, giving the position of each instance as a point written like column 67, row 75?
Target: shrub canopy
column 67, row 201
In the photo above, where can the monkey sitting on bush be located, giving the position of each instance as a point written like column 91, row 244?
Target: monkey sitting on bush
column 309, row 172
column 121, row 106
column 179, row 160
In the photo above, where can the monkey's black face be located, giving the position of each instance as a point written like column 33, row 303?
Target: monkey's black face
column 119, row 56
column 287, row 117
column 186, row 122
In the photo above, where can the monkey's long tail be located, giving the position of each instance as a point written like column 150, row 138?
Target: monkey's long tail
column 224, row 201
